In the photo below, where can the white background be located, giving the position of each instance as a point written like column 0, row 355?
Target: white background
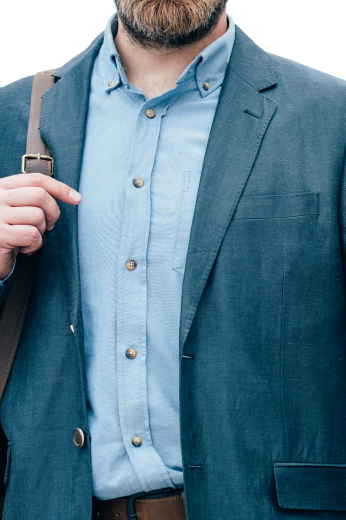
column 44, row 34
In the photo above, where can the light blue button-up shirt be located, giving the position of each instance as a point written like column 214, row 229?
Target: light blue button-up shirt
column 150, row 225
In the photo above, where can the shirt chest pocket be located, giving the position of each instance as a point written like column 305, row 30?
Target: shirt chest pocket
column 187, row 207
column 277, row 206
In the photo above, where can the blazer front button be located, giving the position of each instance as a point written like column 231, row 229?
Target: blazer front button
column 78, row 438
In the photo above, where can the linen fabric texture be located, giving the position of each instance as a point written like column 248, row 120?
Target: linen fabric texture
column 262, row 330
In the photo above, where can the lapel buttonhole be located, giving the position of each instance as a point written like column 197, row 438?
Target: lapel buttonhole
column 251, row 113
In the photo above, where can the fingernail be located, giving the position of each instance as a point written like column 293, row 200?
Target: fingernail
column 75, row 196
column 50, row 229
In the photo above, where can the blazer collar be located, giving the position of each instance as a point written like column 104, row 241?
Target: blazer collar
column 86, row 57
column 248, row 60
column 251, row 63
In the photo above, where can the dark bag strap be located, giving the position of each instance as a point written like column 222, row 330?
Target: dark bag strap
column 37, row 159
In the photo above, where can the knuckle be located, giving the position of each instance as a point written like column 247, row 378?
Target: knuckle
column 56, row 213
column 41, row 195
column 2, row 235
column 7, row 196
column 4, row 214
column 60, row 188
column 36, row 178
column 39, row 216
column 34, row 235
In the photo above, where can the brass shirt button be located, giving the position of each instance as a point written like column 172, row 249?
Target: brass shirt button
column 206, row 85
column 150, row 113
column 131, row 265
column 111, row 83
column 137, row 441
column 138, row 183
column 131, row 353
column 78, row 438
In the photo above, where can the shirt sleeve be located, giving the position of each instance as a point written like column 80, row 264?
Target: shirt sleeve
column 5, row 284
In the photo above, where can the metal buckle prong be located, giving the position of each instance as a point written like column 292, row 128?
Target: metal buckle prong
column 39, row 157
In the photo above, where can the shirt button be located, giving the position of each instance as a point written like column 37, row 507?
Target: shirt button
column 139, row 183
column 111, row 83
column 137, row 441
column 206, row 85
column 131, row 265
column 131, row 353
column 78, row 438
column 150, row 113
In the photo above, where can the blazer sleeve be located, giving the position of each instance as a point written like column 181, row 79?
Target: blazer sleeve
column 342, row 217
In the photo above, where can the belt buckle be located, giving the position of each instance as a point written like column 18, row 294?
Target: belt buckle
column 39, row 157
column 130, row 508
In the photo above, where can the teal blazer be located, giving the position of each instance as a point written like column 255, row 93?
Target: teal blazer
column 263, row 322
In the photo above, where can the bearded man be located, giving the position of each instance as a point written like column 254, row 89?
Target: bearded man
column 184, row 352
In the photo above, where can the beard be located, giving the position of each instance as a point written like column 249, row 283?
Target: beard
column 168, row 24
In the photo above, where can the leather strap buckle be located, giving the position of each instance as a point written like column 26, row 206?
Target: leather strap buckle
column 130, row 508
column 39, row 157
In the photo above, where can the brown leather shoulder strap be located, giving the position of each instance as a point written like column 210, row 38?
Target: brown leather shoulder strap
column 16, row 304
column 34, row 144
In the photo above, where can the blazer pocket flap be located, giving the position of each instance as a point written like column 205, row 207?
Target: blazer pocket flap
column 311, row 486
column 277, row 206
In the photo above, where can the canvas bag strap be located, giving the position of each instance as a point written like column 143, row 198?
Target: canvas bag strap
column 37, row 159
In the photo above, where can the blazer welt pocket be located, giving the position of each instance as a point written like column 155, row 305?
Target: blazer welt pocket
column 277, row 206
column 311, row 486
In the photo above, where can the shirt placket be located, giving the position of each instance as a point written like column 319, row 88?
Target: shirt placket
column 132, row 303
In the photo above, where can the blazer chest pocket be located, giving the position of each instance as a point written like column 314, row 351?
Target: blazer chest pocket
column 311, row 486
column 187, row 206
column 277, row 206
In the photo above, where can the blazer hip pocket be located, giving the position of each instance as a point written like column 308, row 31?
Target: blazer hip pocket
column 311, row 486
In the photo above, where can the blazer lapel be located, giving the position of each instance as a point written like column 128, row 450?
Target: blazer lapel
column 63, row 124
column 241, row 120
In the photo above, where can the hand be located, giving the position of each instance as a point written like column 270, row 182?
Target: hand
column 27, row 209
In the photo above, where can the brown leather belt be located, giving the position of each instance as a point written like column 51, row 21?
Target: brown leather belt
column 164, row 504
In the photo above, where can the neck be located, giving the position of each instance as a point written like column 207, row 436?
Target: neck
column 154, row 71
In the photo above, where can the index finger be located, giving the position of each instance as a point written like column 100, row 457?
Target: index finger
column 55, row 188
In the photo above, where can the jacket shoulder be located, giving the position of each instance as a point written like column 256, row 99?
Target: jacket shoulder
column 315, row 99
column 15, row 97
column 298, row 76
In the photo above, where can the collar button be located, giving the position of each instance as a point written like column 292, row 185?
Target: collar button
column 150, row 113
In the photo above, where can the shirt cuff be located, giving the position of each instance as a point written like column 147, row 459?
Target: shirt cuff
column 2, row 282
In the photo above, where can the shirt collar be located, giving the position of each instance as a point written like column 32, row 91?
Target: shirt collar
column 112, row 72
column 208, row 67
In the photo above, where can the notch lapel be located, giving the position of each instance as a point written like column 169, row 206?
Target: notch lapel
column 241, row 120
column 63, row 124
